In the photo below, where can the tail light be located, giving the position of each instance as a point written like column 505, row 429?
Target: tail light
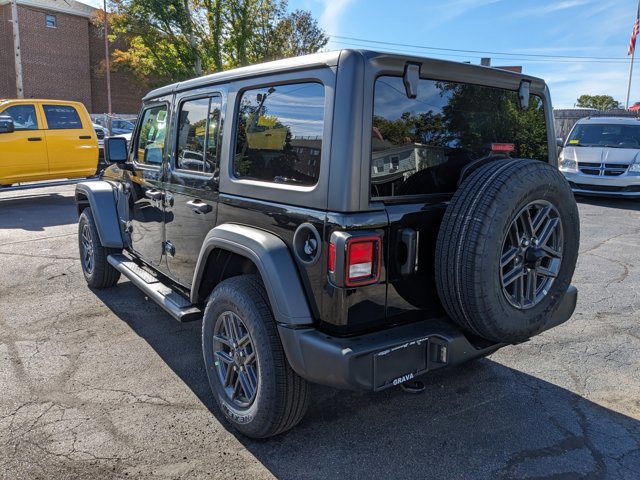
column 354, row 258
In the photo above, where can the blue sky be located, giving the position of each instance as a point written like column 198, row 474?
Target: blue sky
column 511, row 32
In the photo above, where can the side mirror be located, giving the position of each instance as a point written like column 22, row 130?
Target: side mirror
column 559, row 142
column 6, row 124
column 115, row 150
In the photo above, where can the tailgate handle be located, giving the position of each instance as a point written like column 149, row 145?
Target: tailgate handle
column 409, row 238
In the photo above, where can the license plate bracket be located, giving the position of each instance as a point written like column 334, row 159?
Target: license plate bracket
column 399, row 364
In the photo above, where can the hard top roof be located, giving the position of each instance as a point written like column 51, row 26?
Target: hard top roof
column 329, row 59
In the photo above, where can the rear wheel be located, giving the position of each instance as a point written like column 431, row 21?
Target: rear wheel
column 507, row 249
column 93, row 256
column 250, row 377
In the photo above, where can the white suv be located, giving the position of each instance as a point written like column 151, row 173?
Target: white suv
column 602, row 157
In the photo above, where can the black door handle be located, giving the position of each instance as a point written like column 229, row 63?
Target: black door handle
column 153, row 194
column 198, row 206
column 34, row 139
column 85, row 137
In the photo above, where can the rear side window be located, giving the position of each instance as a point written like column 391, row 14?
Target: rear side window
column 150, row 142
column 420, row 146
column 198, row 135
column 62, row 117
column 24, row 117
column 279, row 134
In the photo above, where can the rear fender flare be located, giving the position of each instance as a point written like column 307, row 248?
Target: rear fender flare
column 100, row 196
column 272, row 259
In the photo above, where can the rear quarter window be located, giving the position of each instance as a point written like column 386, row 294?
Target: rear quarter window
column 279, row 134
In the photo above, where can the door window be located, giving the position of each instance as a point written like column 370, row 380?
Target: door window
column 279, row 134
column 62, row 117
column 198, row 135
column 24, row 117
column 150, row 143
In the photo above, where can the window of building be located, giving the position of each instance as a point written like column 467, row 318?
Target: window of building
column 24, row 117
column 270, row 121
column 420, row 146
column 150, row 142
column 198, row 135
column 62, row 117
column 51, row 21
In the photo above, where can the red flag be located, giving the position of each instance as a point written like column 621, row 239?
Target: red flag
column 634, row 34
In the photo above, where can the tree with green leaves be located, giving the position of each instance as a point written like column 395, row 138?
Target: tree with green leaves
column 599, row 102
column 172, row 40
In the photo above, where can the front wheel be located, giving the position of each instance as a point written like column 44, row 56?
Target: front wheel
column 250, row 377
column 93, row 255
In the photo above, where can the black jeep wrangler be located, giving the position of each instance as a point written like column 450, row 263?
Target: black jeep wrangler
column 352, row 218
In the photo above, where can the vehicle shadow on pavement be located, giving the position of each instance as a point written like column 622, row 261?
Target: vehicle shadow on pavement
column 35, row 212
column 620, row 203
column 481, row 420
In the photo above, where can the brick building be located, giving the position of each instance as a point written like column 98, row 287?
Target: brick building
column 62, row 56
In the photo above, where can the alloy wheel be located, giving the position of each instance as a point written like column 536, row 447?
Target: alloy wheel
column 235, row 359
column 87, row 249
column 531, row 254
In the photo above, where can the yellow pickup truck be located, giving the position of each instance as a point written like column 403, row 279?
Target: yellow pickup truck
column 45, row 140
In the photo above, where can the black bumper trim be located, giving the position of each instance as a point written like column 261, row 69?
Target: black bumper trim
column 379, row 360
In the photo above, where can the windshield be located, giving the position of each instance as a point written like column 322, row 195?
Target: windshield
column 605, row 135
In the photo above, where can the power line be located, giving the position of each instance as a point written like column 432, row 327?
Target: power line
column 570, row 58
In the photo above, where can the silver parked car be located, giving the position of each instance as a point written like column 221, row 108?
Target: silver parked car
column 602, row 157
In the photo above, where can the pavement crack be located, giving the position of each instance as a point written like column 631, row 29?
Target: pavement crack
column 37, row 239
column 604, row 242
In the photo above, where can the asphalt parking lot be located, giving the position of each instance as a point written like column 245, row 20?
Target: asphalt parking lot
column 104, row 384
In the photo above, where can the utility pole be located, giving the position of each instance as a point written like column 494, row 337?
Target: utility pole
column 16, row 49
column 108, row 68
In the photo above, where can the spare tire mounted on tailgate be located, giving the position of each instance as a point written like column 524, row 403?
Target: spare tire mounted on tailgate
column 507, row 249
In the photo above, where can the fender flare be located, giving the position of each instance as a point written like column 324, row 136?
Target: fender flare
column 273, row 260
column 101, row 198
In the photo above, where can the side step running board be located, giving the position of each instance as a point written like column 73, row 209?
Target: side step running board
column 175, row 304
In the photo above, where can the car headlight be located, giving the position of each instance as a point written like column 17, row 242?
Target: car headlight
column 567, row 165
column 635, row 167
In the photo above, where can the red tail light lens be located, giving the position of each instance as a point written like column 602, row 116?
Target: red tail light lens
column 360, row 260
column 363, row 261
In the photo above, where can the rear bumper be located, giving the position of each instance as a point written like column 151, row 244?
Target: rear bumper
column 383, row 359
